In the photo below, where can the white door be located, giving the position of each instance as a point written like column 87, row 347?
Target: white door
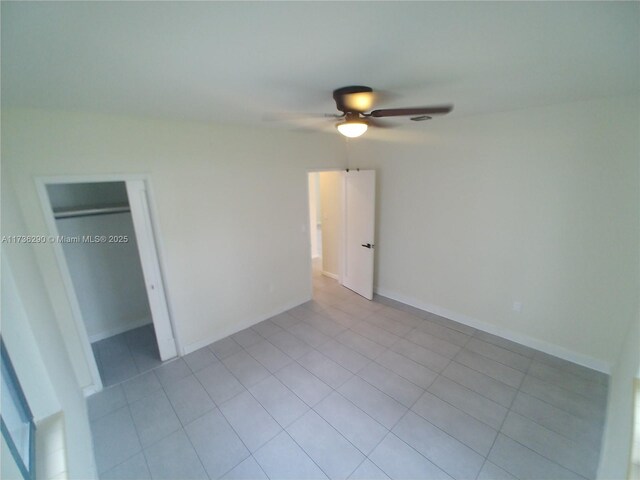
column 150, row 268
column 359, row 223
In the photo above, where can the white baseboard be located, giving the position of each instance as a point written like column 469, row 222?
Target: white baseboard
column 238, row 327
column 527, row 341
column 89, row 390
column 123, row 328
column 330, row 275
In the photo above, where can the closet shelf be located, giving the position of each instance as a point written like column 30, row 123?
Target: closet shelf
column 90, row 211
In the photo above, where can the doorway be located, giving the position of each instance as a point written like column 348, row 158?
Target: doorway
column 315, row 223
column 325, row 223
column 107, row 254
column 341, row 228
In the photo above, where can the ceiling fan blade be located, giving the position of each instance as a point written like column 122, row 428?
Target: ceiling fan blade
column 378, row 124
column 293, row 116
column 398, row 112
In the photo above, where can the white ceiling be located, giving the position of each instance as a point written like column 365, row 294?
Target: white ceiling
column 237, row 62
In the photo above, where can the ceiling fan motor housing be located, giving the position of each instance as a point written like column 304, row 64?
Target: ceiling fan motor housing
column 339, row 93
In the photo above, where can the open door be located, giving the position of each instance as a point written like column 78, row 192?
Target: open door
column 359, row 226
column 137, row 194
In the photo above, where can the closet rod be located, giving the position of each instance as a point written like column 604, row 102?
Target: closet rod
column 90, row 212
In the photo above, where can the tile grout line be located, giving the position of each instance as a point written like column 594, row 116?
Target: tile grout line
column 500, row 432
column 498, row 361
column 588, row 374
column 573, row 392
column 546, row 403
column 216, row 406
column 437, row 374
column 312, row 408
column 532, row 420
column 466, row 388
column 517, row 390
column 490, row 359
column 282, row 429
column 162, row 387
column 134, row 454
column 356, row 406
column 128, row 405
column 410, row 409
column 390, row 431
column 502, row 424
column 471, row 389
column 229, row 423
column 146, row 461
column 496, row 344
column 543, row 456
column 552, row 405
column 531, row 359
column 525, row 446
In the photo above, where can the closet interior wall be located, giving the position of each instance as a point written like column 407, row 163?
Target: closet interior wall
column 107, row 275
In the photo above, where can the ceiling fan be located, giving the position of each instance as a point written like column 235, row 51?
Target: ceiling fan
column 354, row 101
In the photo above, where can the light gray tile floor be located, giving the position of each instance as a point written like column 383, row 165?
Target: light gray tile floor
column 341, row 387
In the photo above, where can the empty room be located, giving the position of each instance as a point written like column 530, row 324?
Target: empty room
column 311, row 240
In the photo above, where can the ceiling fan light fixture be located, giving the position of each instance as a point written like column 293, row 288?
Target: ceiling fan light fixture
column 352, row 129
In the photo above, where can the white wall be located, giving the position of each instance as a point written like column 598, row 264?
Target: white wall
column 231, row 205
column 8, row 468
column 107, row 277
column 36, row 344
column 23, row 350
column 538, row 206
column 615, row 456
column 617, row 438
column 331, row 208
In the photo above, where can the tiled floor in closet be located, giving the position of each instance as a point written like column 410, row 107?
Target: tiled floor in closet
column 126, row 355
column 346, row 388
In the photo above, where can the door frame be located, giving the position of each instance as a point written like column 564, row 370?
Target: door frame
column 341, row 240
column 41, row 187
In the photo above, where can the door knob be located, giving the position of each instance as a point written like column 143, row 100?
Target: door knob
column 367, row 245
